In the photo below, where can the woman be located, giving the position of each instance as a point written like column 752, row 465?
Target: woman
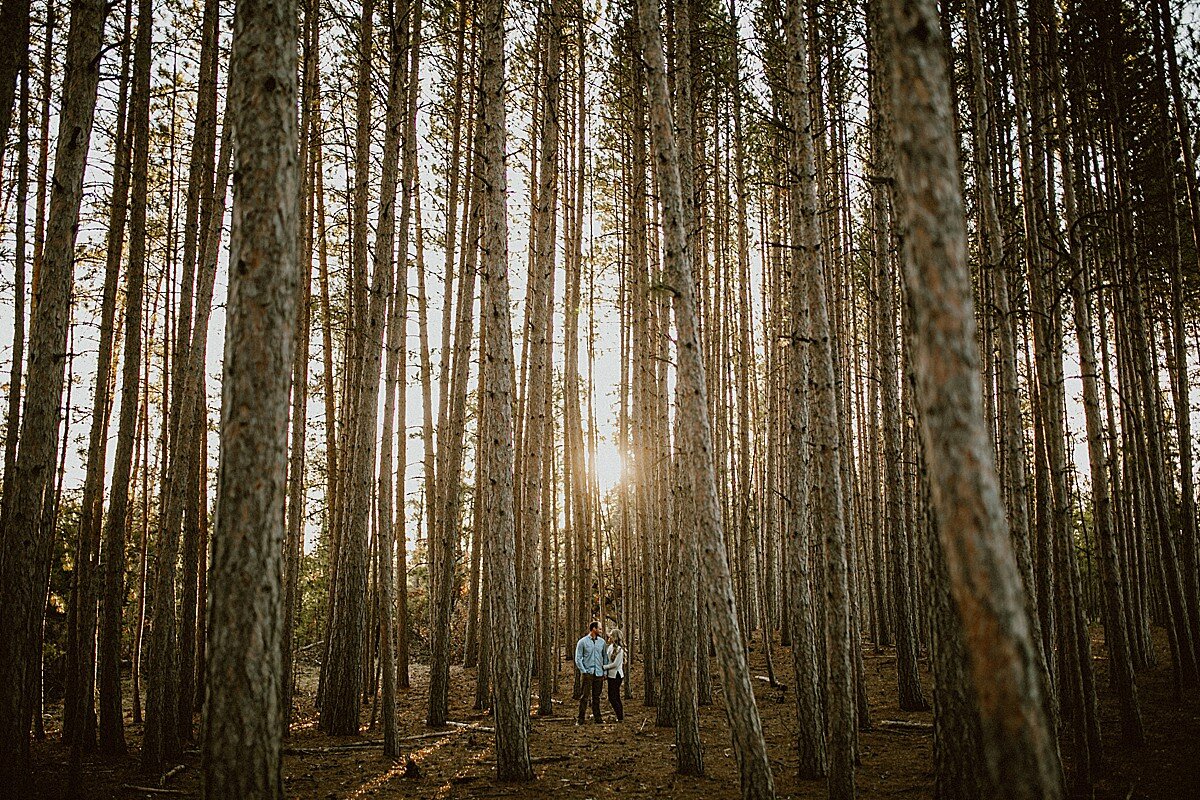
column 614, row 671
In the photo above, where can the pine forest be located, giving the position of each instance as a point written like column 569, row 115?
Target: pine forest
column 599, row 398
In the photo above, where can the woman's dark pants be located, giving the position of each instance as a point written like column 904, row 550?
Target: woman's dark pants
column 614, row 697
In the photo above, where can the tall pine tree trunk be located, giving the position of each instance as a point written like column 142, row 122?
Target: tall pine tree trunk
column 540, row 376
column 79, row 717
column 510, row 674
column 1018, row 748
column 243, row 717
column 14, row 61
column 27, row 541
column 741, row 710
column 112, row 566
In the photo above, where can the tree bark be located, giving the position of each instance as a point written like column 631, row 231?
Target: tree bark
column 1018, row 749
column 112, row 561
column 26, row 541
column 827, row 505
column 243, row 718
column 298, row 439
column 12, row 421
column 510, row 673
column 391, row 520
column 534, row 518
column 79, row 713
column 909, row 683
column 14, row 61
column 348, row 626
column 746, row 728
column 810, row 704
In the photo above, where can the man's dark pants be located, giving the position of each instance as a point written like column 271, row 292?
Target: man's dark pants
column 590, row 686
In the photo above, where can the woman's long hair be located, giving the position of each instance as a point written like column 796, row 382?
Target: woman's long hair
column 615, row 642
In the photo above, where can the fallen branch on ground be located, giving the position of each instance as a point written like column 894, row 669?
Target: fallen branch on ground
column 370, row 744
column 171, row 773
column 155, row 790
column 905, row 725
column 337, row 748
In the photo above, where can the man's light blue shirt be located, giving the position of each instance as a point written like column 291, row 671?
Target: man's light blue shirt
column 589, row 655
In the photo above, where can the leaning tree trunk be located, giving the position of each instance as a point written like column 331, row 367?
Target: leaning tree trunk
column 1183, row 422
column 1018, row 748
column 243, row 729
column 449, row 483
column 742, row 712
column 1116, row 634
column 427, row 463
column 27, row 542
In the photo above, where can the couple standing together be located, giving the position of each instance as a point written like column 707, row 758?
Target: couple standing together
column 599, row 661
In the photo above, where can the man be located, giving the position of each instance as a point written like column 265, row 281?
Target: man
column 589, row 660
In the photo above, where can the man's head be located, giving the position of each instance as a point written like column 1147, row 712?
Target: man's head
column 594, row 630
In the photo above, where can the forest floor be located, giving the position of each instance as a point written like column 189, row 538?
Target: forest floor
column 634, row 758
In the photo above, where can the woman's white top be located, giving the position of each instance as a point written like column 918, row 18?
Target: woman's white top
column 615, row 668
